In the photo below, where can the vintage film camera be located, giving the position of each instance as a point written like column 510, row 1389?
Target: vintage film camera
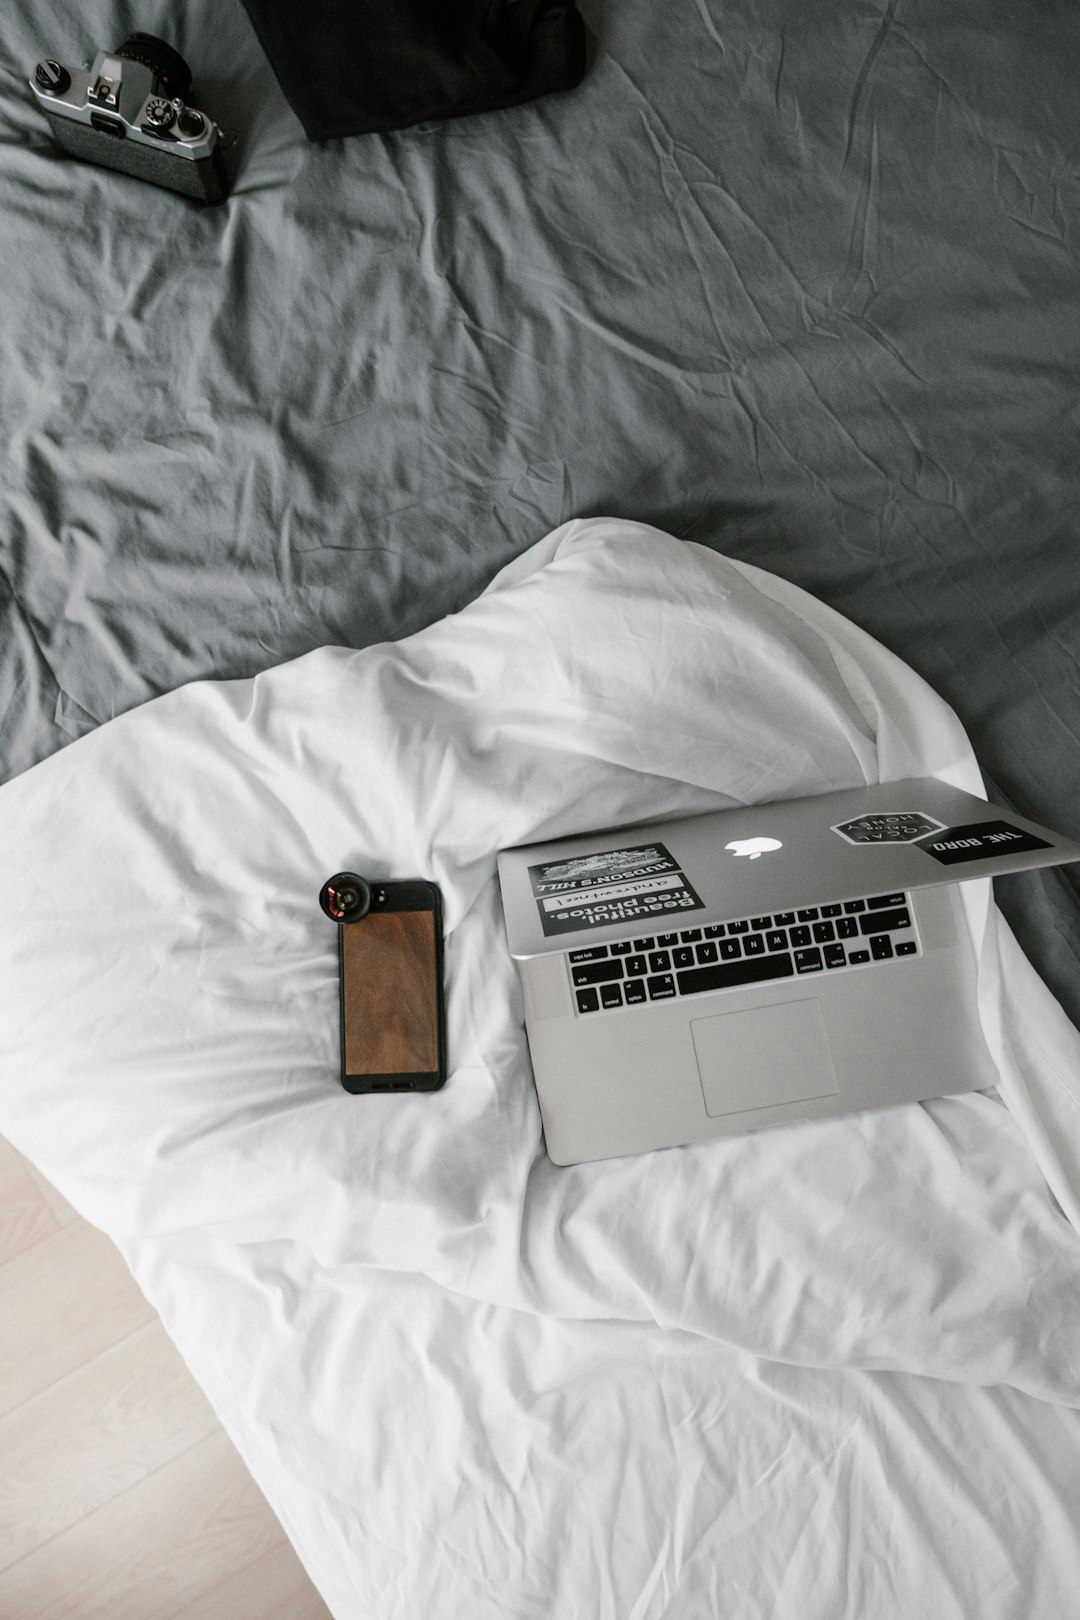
column 127, row 111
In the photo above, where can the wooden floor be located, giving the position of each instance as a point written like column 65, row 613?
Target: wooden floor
column 120, row 1496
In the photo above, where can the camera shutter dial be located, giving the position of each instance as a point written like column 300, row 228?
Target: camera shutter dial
column 160, row 114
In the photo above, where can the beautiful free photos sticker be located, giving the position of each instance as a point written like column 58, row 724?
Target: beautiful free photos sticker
column 613, row 886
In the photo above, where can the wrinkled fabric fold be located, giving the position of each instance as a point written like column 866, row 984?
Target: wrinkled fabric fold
column 181, row 1091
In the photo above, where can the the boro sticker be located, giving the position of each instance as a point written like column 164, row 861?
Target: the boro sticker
column 627, row 885
column 980, row 841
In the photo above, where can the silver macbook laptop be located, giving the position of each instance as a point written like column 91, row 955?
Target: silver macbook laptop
column 700, row 977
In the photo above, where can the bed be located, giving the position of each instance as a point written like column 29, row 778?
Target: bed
column 374, row 516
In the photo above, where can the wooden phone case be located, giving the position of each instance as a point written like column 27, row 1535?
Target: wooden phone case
column 391, row 993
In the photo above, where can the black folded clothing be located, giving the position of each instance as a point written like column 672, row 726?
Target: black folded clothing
column 351, row 67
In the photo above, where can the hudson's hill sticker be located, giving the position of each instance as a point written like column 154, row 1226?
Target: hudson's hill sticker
column 618, row 885
column 979, row 842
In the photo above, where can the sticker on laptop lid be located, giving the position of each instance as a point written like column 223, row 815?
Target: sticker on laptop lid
column 981, row 841
column 626, row 885
column 888, row 827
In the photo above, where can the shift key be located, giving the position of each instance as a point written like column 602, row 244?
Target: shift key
column 597, row 972
column 876, row 922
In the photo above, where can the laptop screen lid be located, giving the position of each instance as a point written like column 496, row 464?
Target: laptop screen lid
column 604, row 885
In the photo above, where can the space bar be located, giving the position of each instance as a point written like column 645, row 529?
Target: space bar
column 751, row 970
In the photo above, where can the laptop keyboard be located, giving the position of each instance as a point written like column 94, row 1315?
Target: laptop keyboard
column 750, row 950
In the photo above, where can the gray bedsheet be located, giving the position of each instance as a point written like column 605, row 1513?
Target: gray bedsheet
column 796, row 282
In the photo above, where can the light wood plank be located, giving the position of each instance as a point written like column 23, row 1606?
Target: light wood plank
column 25, row 1215
column 55, row 1200
column 153, row 1551
column 62, row 1302
column 94, row 1434
column 109, row 1504
column 276, row 1588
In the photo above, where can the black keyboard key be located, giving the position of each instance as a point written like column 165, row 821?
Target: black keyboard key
column 729, row 950
column 784, row 919
column 881, row 902
column 667, row 939
column 683, row 956
column 754, row 945
column 637, row 964
column 824, row 932
column 831, row 911
column 776, row 940
column 644, row 944
column 739, row 927
column 660, row 987
column 856, row 958
column 846, row 928
column 761, row 923
column 907, row 947
column 880, row 947
column 834, row 956
column 714, row 931
column 659, row 961
column 593, row 954
column 807, row 961
column 707, row 952
column 854, row 905
column 799, row 935
column 610, row 996
column 634, row 992
column 875, row 922
column 588, row 1001
column 809, row 914
column 621, row 947
column 727, row 975
column 690, row 936
column 597, row 972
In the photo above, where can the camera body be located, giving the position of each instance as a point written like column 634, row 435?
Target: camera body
column 127, row 112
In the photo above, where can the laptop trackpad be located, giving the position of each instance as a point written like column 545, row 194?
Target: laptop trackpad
column 763, row 1057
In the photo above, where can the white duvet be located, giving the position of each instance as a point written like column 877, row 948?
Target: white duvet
column 829, row 1370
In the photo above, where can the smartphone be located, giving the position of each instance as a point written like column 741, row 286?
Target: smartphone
column 393, row 1016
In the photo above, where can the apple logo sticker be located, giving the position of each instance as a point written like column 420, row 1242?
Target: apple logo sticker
column 754, row 847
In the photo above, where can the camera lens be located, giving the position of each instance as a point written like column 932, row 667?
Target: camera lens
column 168, row 67
column 345, row 897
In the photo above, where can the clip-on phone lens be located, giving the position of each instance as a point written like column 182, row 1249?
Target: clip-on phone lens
column 345, row 897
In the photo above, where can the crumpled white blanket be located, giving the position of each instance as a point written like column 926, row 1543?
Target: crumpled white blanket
column 397, row 1304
